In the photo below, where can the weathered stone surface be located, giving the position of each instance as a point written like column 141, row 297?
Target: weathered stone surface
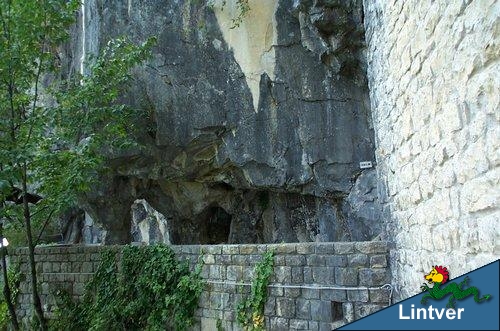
column 433, row 77
column 285, row 307
column 255, row 131
column 303, row 309
column 321, row 310
column 371, row 247
column 363, row 309
column 358, row 295
column 279, row 323
column 316, row 259
column 148, row 225
column 373, row 277
column 378, row 261
column 282, row 274
column 348, row 310
column 363, row 208
column 298, row 324
column 323, row 275
column 336, row 261
column 346, row 276
column 343, row 248
column 309, row 301
column 379, row 296
column 334, row 295
column 296, row 260
column 358, row 260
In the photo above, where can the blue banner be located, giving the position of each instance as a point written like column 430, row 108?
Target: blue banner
column 474, row 306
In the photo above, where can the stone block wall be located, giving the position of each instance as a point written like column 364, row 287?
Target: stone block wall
column 313, row 286
column 433, row 71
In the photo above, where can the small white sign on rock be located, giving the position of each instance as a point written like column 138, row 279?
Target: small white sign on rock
column 365, row 164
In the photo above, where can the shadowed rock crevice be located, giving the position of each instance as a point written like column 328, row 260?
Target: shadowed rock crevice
column 211, row 226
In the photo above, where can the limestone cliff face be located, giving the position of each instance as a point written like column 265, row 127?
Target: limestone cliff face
column 253, row 133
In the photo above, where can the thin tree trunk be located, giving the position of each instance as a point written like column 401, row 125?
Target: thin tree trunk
column 6, row 288
column 31, row 250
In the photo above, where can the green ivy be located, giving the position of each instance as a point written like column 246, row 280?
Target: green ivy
column 250, row 312
column 218, row 325
column 243, row 8
column 14, row 276
column 143, row 288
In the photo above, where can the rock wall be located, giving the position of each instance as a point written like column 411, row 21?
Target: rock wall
column 148, row 225
column 433, row 76
column 264, row 123
column 313, row 286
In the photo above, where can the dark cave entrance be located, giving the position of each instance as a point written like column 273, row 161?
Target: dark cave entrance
column 215, row 225
column 209, row 227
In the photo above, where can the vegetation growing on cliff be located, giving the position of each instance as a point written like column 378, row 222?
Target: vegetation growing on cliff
column 243, row 8
column 52, row 138
column 140, row 288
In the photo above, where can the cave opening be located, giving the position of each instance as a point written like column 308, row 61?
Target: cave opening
column 211, row 226
column 215, row 225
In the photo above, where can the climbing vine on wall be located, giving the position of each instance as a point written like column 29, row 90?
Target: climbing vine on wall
column 243, row 8
column 250, row 312
column 145, row 289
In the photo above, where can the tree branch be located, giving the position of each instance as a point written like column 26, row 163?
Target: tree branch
column 44, row 226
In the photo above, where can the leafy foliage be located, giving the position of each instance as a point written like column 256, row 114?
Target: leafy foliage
column 147, row 289
column 72, row 136
column 52, row 140
column 55, row 137
column 4, row 315
column 30, row 32
column 243, row 8
column 250, row 313
column 14, row 277
column 86, row 124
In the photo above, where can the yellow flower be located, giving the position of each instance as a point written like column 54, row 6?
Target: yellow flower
column 258, row 320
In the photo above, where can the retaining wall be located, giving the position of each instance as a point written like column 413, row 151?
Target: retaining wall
column 433, row 76
column 314, row 286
